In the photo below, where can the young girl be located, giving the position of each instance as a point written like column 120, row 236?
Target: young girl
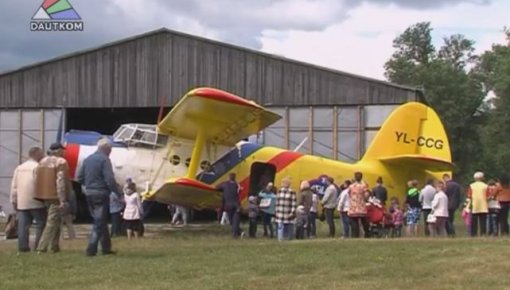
column 466, row 216
column 133, row 212
column 398, row 221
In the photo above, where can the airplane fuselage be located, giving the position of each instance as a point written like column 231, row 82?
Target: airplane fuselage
column 147, row 167
column 255, row 165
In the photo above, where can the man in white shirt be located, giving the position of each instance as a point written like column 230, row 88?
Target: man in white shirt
column 28, row 209
column 426, row 197
column 329, row 202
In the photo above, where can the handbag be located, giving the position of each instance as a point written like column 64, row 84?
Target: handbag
column 431, row 218
column 11, row 228
column 265, row 202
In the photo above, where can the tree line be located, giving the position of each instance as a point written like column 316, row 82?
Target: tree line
column 469, row 91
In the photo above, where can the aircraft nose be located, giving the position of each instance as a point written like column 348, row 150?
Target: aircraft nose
column 72, row 154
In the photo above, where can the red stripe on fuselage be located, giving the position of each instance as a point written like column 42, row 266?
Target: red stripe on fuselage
column 72, row 153
column 280, row 161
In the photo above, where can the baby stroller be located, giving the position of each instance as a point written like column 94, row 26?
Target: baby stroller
column 380, row 221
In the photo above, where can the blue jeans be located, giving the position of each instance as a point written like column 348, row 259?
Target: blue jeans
column 98, row 203
column 312, row 226
column 235, row 220
column 450, row 225
column 329, row 212
column 25, row 220
column 266, row 218
column 116, row 229
column 285, row 231
column 493, row 224
column 346, row 224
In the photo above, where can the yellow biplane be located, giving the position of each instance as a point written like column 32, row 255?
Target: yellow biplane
column 411, row 143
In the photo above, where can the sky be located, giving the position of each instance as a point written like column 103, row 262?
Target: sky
column 354, row 36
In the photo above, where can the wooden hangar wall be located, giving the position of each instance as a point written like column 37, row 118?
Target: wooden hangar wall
column 137, row 72
column 338, row 112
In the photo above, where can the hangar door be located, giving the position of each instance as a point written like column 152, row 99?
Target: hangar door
column 20, row 130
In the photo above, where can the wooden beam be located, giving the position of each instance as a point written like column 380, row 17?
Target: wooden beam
column 335, row 132
column 41, row 132
column 20, row 130
column 287, row 125
column 359, row 131
column 310, row 129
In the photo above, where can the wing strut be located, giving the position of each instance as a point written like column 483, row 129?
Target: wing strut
column 197, row 152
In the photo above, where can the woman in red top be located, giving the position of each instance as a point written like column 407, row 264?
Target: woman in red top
column 503, row 196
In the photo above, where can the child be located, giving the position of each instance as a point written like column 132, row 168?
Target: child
column 494, row 208
column 398, row 221
column 301, row 219
column 253, row 213
column 393, row 202
column 133, row 212
column 466, row 216
column 311, row 229
column 182, row 212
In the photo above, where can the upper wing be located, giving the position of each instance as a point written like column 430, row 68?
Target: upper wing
column 227, row 117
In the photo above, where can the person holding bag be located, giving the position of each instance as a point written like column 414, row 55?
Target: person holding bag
column 439, row 211
column 267, row 207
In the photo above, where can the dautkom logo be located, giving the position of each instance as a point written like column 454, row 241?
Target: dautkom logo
column 56, row 15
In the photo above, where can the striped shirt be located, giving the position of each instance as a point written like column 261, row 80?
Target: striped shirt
column 286, row 203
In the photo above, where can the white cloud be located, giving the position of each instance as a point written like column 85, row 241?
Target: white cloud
column 363, row 43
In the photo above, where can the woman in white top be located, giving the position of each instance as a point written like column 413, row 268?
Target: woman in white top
column 344, row 202
column 440, row 210
column 133, row 212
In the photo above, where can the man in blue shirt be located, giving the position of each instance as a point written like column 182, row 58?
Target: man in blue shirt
column 97, row 176
column 319, row 185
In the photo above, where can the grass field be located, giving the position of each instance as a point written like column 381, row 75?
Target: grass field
column 206, row 258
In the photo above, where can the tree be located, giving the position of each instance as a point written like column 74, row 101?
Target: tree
column 454, row 91
column 494, row 72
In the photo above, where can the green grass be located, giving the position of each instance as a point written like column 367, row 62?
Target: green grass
column 206, row 258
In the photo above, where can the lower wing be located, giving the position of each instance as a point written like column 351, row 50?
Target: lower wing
column 189, row 193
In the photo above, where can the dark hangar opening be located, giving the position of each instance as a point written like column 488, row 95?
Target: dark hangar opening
column 106, row 121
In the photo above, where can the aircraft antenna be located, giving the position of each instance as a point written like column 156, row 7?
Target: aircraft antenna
column 301, row 144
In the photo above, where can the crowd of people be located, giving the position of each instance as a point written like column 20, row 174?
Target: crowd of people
column 367, row 212
column 42, row 195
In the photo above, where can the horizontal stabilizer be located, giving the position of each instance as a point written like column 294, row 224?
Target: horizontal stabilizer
column 189, row 193
column 431, row 164
column 227, row 118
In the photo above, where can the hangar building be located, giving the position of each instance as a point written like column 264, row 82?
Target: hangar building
column 127, row 81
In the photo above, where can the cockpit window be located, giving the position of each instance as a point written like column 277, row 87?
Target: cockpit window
column 140, row 135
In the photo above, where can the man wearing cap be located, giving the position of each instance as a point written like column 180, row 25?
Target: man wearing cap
column 53, row 187
column 97, row 176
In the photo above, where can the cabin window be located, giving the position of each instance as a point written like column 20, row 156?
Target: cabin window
column 175, row 160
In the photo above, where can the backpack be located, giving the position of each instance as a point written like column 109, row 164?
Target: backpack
column 11, row 228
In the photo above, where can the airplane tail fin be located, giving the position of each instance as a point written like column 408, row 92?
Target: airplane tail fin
column 413, row 134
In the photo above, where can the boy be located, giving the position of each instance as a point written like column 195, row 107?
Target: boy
column 253, row 213
column 494, row 208
column 301, row 218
